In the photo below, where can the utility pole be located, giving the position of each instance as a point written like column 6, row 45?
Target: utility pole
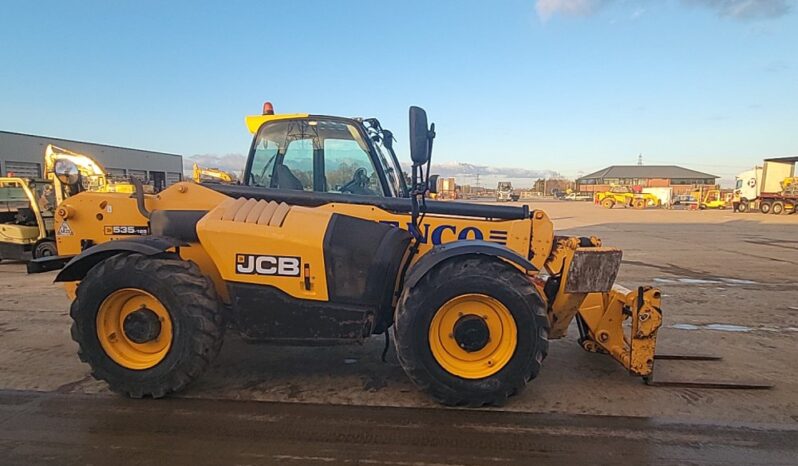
column 640, row 159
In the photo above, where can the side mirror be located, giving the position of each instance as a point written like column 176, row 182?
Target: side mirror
column 420, row 136
column 432, row 184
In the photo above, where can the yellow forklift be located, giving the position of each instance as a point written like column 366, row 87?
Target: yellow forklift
column 26, row 219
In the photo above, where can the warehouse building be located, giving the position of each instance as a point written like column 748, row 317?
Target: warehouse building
column 681, row 180
column 22, row 155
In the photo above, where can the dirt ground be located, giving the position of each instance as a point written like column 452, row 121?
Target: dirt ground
column 730, row 286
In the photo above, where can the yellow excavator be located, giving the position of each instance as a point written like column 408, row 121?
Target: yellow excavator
column 324, row 242
column 201, row 174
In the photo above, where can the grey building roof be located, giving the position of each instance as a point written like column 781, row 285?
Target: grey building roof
column 647, row 171
column 783, row 159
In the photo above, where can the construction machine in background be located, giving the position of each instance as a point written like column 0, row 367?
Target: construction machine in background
column 505, row 193
column 771, row 188
column 626, row 197
column 200, row 174
column 712, row 198
column 86, row 174
column 27, row 206
column 26, row 219
column 323, row 242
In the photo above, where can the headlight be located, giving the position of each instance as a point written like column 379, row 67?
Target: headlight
column 66, row 171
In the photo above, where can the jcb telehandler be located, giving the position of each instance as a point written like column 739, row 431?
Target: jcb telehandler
column 324, row 242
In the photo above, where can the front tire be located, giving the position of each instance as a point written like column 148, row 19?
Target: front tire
column 608, row 203
column 472, row 332
column 147, row 326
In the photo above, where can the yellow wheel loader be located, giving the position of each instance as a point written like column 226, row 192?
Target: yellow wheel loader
column 323, row 242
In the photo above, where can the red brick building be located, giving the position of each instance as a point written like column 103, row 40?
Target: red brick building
column 681, row 180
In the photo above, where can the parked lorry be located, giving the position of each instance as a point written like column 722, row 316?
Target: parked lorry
column 770, row 188
column 504, row 192
column 447, row 188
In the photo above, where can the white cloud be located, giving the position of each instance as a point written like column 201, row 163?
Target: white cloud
column 466, row 173
column 746, row 9
column 737, row 9
column 548, row 8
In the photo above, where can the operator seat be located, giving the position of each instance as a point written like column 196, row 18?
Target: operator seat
column 286, row 179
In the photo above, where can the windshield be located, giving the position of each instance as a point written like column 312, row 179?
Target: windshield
column 391, row 173
column 739, row 183
column 383, row 143
column 315, row 154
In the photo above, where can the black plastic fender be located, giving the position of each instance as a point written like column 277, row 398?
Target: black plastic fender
column 79, row 266
column 446, row 251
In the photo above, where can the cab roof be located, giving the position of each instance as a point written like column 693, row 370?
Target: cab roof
column 254, row 122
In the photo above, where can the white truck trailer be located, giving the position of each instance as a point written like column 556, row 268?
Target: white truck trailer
column 771, row 188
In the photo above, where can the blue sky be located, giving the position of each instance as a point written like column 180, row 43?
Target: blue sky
column 524, row 85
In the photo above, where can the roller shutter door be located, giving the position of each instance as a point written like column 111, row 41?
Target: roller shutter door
column 24, row 169
column 172, row 178
column 116, row 172
column 140, row 174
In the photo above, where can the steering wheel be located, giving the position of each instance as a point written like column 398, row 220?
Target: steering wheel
column 359, row 183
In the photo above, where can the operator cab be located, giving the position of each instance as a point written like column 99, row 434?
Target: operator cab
column 323, row 154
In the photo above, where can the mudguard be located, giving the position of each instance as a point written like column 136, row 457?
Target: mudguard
column 79, row 266
column 446, row 251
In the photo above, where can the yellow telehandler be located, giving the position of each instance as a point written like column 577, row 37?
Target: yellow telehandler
column 27, row 206
column 324, row 242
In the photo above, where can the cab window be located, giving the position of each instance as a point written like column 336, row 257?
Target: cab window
column 316, row 154
column 298, row 165
column 348, row 168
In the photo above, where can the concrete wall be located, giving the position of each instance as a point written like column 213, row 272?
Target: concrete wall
column 16, row 147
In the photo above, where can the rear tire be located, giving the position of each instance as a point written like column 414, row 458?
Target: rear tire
column 639, row 203
column 477, row 382
column 195, row 325
column 777, row 208
column 45, row 248
column 765, row 207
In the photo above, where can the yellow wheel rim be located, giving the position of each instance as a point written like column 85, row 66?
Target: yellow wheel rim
column 479, row 363
column 121, row 347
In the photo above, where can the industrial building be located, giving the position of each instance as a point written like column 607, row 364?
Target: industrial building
column 22, row 155
column 681, row 180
